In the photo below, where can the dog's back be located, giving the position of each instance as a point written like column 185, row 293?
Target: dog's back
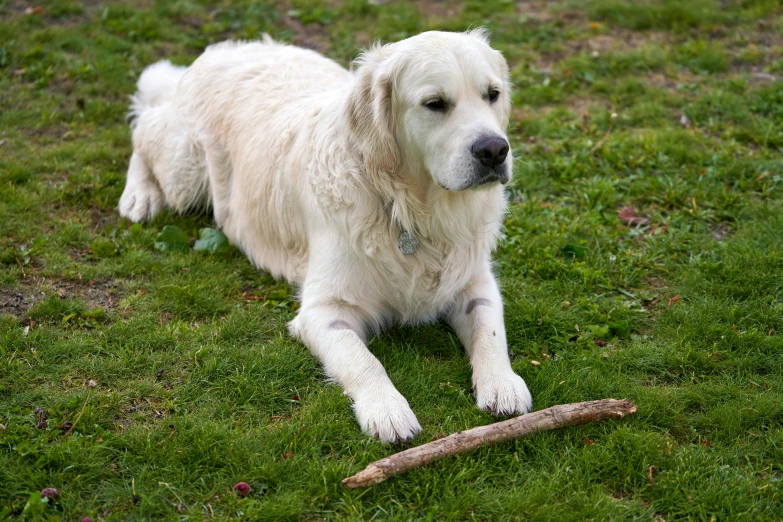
column 218, row 135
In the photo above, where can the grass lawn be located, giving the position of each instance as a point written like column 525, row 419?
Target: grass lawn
column 144, row 384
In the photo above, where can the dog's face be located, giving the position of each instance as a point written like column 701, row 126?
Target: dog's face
column 441, row 103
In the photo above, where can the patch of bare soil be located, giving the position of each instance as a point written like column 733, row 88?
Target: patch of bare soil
column 621, row 41
column 310, row 36
column 313, row 36
column 535, row 10
column 12, row 302
column 720, row 231
column 95, row 294
column 438, row 8
column 103, row 218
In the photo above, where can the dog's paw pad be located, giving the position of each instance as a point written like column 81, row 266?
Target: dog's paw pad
column 140, row 202
column 389, row 419
column 504, row 394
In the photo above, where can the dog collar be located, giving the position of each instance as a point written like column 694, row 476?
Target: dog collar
column 407, row 243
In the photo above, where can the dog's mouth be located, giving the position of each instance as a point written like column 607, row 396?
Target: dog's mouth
column 482, row 177
column 485, row 176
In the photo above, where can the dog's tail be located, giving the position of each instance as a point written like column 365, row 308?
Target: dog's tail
column 157, row 84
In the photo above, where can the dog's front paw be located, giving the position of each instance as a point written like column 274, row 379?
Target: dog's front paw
column 386, row 417
column 141, row 201
column 503, row 394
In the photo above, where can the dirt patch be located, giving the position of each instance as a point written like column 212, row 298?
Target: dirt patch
column 94, row 294
column 619, row 41
column 311, row 36
column 535, row 10
column 12, row 303
column 438, row 9
column 720, row 231
column 101, row 218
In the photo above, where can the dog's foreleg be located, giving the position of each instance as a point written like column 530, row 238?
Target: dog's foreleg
column 477, row 319
column 335, row 335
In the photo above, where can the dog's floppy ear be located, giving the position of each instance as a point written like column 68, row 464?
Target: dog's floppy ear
column 370, row 109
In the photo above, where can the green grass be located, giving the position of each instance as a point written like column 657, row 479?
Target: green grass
column 175, row 370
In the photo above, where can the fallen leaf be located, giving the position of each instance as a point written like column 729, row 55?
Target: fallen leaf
column 764, row 76
column 572, row 252
column 172, row 239
column 650, row 472
column 588, row 442
column 212, row 241
column 628, row 216
column 674, row 299
column 685, row 121
column 49, row 493
column 287, row 455
column 535, row 363
column 242, row 489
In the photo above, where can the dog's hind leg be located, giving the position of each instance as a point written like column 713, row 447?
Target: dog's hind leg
column 142, row 197
column 153, row 123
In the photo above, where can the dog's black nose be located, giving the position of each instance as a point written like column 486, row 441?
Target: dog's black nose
column 491, row 151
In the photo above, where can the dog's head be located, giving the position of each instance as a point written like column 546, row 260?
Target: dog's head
column 436, row 104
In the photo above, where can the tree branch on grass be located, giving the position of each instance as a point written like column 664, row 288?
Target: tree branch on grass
column 516, row 428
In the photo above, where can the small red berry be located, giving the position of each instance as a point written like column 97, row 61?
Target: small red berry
column 242, row 489
column 49, row 493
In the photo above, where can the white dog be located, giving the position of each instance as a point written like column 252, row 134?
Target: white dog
column 378, row 192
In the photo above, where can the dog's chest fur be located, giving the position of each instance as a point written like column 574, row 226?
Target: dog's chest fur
column 456, row 232
column 427, row 281
column 457, row 237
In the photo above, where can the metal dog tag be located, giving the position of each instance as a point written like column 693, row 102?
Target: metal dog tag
column 407, row 243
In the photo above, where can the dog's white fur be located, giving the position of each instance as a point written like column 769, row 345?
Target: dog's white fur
column 314, row 171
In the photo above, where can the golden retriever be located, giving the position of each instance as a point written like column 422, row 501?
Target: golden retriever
column 377, row 191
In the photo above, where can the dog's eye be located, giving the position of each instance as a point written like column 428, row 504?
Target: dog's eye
column 436, row 105
column 493, row 94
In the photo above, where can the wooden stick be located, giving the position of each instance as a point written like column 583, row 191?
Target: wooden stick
column 516, row 428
